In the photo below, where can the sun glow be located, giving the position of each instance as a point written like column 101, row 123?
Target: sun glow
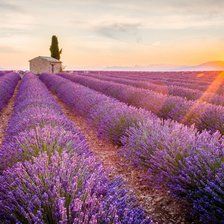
column 200, row 75
column 210, row 92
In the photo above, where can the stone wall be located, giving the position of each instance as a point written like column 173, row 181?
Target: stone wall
column 39, row 65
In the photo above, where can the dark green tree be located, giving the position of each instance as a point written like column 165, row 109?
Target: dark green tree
column 54, row 48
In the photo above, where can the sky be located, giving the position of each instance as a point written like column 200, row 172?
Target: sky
column 101, row 33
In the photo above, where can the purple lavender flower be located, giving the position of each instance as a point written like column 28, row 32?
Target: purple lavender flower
column 202, row 114
column 176, row 155
column 188, row 93
column 8, row 83
column 49, row 174
column 64, row 188
column 187, row 161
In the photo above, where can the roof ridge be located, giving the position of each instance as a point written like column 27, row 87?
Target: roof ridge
column 48, row 58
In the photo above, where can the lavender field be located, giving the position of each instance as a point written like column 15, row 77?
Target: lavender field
column 112, row 147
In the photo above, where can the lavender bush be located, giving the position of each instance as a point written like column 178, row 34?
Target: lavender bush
column 111, row 117
column 210, row 200
column 64, row 189
column 37, row 125
column 201, row 81
column 187, row 161
column 190, row 94
column 203, row 115
column 48, row 173
column 8, row 83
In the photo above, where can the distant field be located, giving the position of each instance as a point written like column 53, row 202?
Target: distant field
column 112, row 147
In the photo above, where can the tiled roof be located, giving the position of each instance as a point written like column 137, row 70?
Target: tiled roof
column 50, row 59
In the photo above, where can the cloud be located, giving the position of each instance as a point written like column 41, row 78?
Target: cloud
column 8, row 49
column 133, row 20
column 9, row 7
column 11, row 31
column 120, row 31
column 112, row 27
column 14, row 20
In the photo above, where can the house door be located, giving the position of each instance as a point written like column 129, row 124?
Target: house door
column 52, row 68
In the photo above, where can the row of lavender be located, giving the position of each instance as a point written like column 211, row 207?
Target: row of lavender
column 189, row 163
column 4, row 72
column 202, row 76
column 8, row 82
column 214, row 85
column 174, row 78
column 48, row 173
column 192, row 80
column 189, row 94
column 203, row 115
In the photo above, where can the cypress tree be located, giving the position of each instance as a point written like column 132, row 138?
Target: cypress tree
column 54, row 48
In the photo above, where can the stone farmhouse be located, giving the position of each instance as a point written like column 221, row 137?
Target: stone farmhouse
column 42, row 64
